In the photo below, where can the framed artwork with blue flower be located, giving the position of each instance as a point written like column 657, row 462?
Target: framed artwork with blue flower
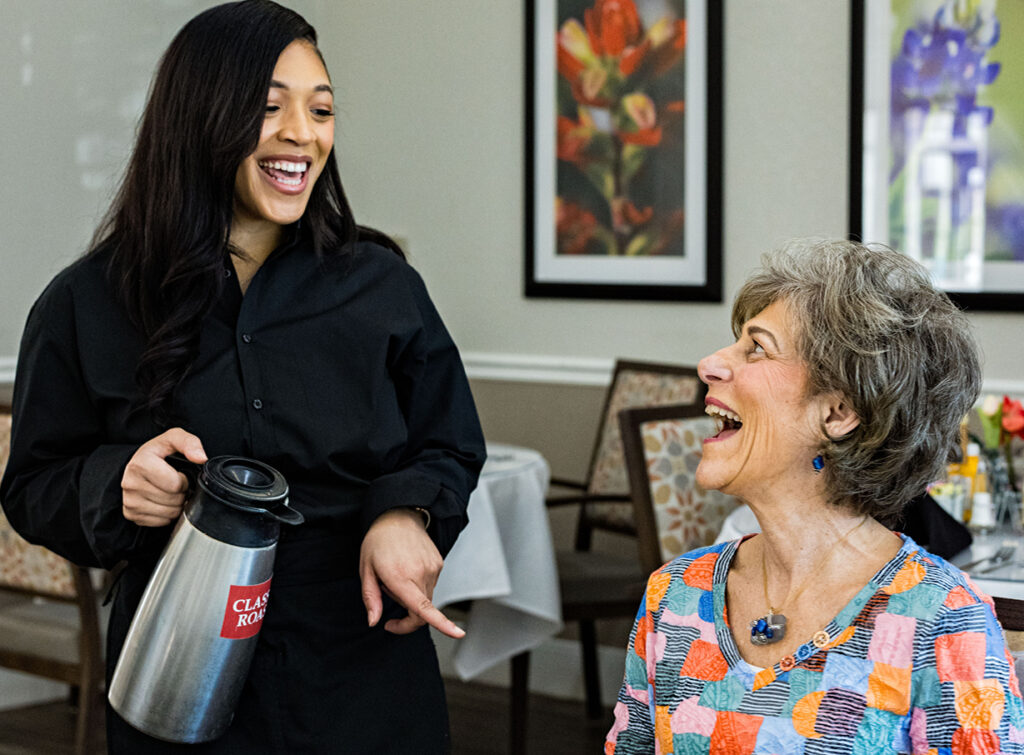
column 937, row 141
column 623, row 149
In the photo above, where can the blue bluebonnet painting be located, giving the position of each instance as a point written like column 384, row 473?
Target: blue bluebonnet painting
column 956, row 122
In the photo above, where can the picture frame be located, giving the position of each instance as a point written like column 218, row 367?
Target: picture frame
column 623, row 149
column 937, row 141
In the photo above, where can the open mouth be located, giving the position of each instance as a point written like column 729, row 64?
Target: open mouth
column 729, row 422
column 290, row 175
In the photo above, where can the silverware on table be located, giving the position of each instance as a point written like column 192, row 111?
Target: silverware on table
column 993, row 562
column 998, row 566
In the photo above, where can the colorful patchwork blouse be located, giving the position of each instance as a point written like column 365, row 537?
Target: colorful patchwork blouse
column 915, row 663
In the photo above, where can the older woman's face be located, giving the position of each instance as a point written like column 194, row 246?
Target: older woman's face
column 758, row 387
column 274, row 183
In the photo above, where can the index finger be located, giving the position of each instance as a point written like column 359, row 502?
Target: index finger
column 418, row 604
column 160, row 477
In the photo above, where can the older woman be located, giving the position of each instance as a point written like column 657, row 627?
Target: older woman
column 827, row 632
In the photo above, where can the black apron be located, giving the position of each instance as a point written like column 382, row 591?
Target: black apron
column 322, row 681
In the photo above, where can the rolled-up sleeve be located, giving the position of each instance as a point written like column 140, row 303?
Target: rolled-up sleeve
column 445, row 447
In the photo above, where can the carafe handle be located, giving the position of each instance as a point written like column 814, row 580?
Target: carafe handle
column 186, row 467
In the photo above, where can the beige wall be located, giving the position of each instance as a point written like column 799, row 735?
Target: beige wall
column 430, row 133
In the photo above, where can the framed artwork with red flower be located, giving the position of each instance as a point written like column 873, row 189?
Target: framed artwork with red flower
column 937, row 141
column 623, row 149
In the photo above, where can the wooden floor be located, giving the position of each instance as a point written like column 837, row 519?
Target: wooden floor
column 479, row 722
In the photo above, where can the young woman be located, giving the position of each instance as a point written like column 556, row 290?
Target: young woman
column 231, row 305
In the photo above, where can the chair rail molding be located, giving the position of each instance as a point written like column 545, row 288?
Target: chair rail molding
column 597, row 371
column 536, row 368
column 543, row 368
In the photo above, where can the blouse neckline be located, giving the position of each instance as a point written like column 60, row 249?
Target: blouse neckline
column 831, row 634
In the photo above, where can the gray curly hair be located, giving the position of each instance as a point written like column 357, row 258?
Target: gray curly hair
column 872, row 327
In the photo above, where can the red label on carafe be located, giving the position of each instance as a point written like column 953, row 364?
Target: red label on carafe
column 244, row 613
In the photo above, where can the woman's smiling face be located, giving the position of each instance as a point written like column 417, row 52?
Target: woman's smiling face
column 273, row 184
column 758, row 386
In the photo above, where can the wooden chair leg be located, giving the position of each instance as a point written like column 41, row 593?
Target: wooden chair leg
column 520, row 702
column 85, row 724
column 591, row 675
column 91, row 709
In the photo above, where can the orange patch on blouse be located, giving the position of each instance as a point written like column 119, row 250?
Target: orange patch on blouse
column 842, row 637
column 704, row 661
column 805, row 714
column 975, row 742
column 764, row 677
column 734, row 734
column 958, row 598
column 644, row 626
column 657, row 586
column 889, row 689
column 960, row 657
column 663, row 728
column 910, row 575
column 699, row 573
column 979, row 705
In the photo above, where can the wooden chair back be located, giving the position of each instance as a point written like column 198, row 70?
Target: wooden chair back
column 662, row 447
column 49, row 618
column 634, row 384
column 1010, row 612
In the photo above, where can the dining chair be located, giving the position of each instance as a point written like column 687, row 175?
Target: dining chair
column 603, row 496
column 1010, row 612
column 49, row 619
column 662, row 446
column 596, row 585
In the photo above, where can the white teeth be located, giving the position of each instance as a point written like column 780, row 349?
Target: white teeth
column 717, row 411
column 284, row 165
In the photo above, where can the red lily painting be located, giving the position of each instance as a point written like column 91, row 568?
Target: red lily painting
column 620, row 127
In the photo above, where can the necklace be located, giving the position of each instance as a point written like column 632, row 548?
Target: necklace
column 771, row 627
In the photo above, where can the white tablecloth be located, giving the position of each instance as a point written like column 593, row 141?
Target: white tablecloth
column 1004, row 582
column 504, row 562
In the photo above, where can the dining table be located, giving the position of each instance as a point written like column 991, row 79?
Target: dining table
column 502, row 569
column 1002, row 577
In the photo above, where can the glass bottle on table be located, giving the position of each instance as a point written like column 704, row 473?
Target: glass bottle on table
column 983, row 513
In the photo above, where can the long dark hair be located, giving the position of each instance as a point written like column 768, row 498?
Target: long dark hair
column 168, row 227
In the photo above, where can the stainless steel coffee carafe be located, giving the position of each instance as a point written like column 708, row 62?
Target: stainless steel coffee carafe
column 192, row 639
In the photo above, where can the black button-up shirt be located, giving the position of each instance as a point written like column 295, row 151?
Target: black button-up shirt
column 340, row 375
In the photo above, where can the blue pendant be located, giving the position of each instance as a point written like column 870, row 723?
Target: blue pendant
column 768, row 629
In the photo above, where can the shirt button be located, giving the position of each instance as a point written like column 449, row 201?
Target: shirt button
column 227, row 273
column 247, row 338
column 257, row 404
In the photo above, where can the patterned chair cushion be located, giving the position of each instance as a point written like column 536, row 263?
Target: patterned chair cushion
column 632, row 388
column 686, row 515
column 24, row 566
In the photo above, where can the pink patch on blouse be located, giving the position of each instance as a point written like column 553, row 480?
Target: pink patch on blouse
column 1016, row 735
column 693, row 718
column 918, row 730
column 640, row 695
column 621, row 722
column 892, row 642
column 656, row 643
column 706, row 628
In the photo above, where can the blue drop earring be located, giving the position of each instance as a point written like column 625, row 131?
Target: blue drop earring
column 818, row 463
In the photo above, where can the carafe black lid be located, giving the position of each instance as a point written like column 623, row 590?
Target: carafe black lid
column 244, row 483
column 240, row 501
